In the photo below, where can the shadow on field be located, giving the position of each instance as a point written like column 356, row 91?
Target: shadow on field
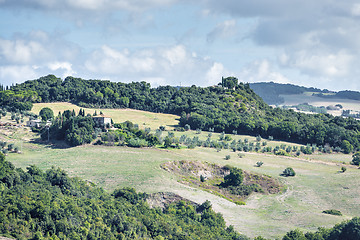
column 53, row 144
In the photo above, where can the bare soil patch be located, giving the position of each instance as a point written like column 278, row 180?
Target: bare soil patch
column 191, row 172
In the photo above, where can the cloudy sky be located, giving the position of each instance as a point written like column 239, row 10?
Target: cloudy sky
column 310, row 43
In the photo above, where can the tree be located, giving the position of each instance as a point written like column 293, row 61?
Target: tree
column 356, row 159
column 294, row 235
column 235, row 178
column 288, row 172
column 46, row 114
column 347, row 147
column 259, row 164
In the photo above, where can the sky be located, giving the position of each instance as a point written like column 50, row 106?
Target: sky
column 183, row 42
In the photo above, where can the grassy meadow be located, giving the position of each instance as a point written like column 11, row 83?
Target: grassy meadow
column 317, row 186
column 142, row 118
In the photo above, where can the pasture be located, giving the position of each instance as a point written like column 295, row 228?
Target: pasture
column 142, row 118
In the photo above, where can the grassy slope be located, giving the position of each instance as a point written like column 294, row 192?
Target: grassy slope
column 317, row 186
column 143, row 118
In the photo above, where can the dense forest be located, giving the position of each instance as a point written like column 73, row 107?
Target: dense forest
column 51, row 205
column 228, row 107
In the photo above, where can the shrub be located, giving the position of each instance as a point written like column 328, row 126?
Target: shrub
column 241, row 155
column 202, row 178
column 235, row 178
column 227, row 157
column 259, row 164
column 288, row 172
column 343, row 169
column 356, row 159
column 333, row 212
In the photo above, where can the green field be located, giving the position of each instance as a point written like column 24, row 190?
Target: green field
column 317, row 186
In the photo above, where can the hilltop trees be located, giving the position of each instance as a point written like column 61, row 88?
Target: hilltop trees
column 229, row 107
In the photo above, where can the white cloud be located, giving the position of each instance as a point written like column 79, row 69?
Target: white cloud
column 66, row 67
column 223, row 30
column 170, row 65
column 175, row 55
column 215, row 73
column 261, row 71
column 355, row 10
column 12, row 74
column 87, row 5
column 329, row 65
column 20, row 51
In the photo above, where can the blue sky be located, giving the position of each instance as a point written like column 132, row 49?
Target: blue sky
column 173, row 42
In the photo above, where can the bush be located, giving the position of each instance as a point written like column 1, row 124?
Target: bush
column 235, row 178
column 356, row 159
column 332, row 212
column 227, row 157
column 259, row 164
column 288, row 172
column 343, row 169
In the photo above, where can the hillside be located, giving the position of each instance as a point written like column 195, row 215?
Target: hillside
column 112, row 167
column 229, row 107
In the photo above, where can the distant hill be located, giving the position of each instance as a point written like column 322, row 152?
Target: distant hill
column 270, row 92
column 353, row 95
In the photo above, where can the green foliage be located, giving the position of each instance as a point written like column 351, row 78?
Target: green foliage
column 294, row 235
column 288, row 172
column 346, row 147
column 227, row 157
column 356, row 159
column 259, row 164
column 75, row 130
column 46, row 114
column 50, row 205
column 234, row 178
column 333, row 212
column 343, row 169
column 233, row 107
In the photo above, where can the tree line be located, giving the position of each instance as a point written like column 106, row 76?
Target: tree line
column 227, row 107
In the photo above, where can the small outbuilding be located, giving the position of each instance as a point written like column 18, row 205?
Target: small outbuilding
column 37, row 123
column 102, row 121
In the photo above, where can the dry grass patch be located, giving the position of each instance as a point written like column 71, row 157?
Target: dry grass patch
column 142, row 118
